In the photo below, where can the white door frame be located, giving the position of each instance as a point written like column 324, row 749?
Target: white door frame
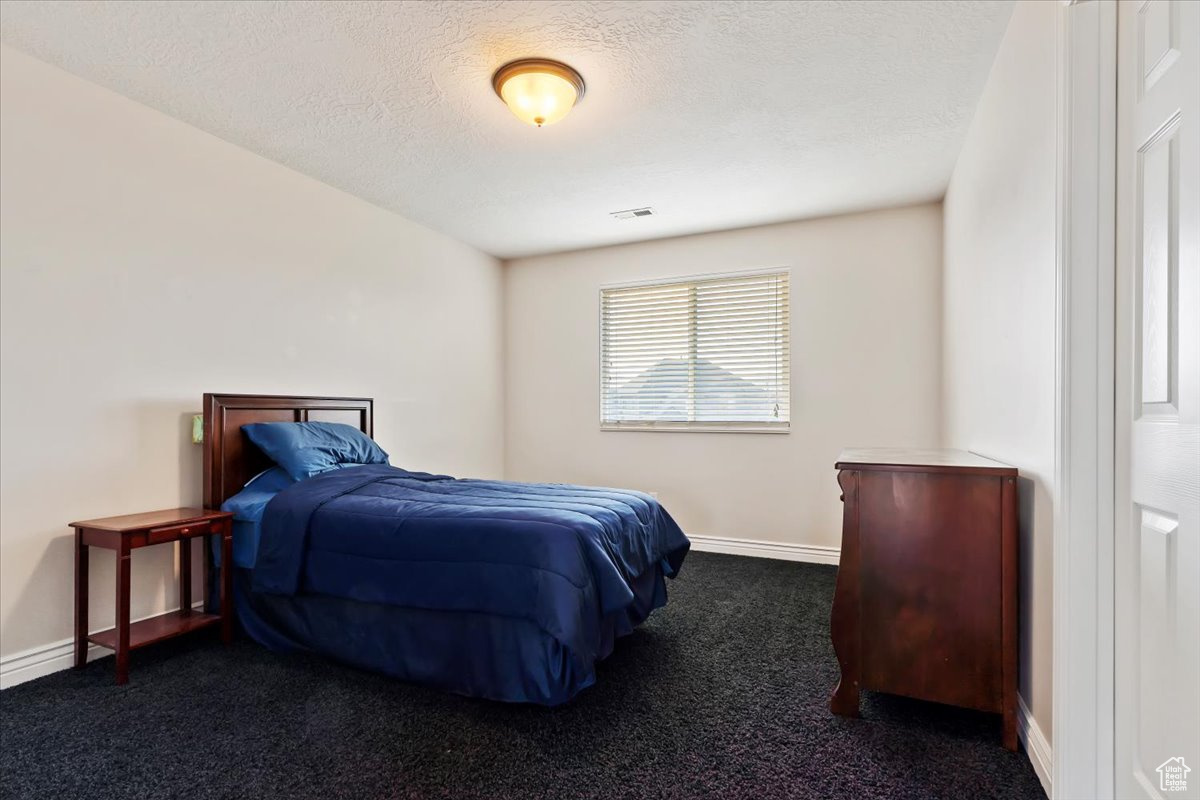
column 1085, row 385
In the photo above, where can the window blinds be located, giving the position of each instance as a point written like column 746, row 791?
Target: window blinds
column 707, row 353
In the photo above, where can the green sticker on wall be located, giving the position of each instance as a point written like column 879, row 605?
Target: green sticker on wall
column 198, row 429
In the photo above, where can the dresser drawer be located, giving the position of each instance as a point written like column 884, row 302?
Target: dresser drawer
column 173, row 533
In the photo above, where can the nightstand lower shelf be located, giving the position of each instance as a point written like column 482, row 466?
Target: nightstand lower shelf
column 155, row 629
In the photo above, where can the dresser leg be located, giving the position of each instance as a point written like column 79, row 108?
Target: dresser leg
column 845, row 699
column 81, row 600
column 1009, row 727
column 844, row 619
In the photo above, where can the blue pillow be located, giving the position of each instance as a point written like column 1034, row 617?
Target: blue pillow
column 305, row 449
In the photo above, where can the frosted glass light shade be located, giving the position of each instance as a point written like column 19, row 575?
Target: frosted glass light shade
column 537, row 91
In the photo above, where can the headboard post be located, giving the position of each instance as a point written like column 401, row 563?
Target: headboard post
column 230, row 459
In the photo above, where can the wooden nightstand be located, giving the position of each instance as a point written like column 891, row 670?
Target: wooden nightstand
column 127, row 533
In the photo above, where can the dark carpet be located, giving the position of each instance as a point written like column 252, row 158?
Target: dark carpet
column 721, row 694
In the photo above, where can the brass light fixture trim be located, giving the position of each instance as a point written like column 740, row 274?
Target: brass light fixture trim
column 538, row 66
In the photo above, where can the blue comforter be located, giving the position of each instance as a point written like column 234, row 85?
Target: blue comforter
column 566, row 558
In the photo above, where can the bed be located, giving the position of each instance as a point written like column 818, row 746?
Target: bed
column 492, row 589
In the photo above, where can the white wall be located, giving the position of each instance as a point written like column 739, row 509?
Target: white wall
column 143, row 262
column 866, row 319
column 999, row 305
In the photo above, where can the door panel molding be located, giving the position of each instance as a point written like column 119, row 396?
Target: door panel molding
column 1156, row 580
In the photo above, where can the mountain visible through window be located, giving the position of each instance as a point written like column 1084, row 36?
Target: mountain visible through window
column 698, row 354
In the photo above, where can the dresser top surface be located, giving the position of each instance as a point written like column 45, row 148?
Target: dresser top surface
column 913, row 459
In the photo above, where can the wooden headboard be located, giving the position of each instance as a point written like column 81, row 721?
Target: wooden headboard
column 230, row 459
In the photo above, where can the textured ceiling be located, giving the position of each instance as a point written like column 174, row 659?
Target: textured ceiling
column 718, row 114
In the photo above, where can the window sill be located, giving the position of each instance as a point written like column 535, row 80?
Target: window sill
column 700, row 428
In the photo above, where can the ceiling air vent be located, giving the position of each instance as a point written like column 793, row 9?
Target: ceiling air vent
column 632, row 213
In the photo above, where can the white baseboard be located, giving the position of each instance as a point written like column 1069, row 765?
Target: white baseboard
column 38, row 661
column 785, row 551
column 1037, row 747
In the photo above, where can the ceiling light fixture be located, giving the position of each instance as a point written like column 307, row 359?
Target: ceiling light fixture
column 537, row 90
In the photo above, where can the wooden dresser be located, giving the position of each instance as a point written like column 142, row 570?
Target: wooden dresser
column 926, row 599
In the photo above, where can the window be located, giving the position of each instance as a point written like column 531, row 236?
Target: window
column 708, row 353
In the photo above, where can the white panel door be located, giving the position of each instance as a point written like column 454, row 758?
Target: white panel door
column 1157, row 514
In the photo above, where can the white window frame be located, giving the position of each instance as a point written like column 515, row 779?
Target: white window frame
column 685, row 427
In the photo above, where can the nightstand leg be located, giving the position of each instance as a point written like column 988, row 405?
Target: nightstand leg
column 81, row 600
column 227, row 584
column 185, row 576
column 123, row 614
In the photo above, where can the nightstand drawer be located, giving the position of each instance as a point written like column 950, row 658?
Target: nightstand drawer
column 173, row 533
